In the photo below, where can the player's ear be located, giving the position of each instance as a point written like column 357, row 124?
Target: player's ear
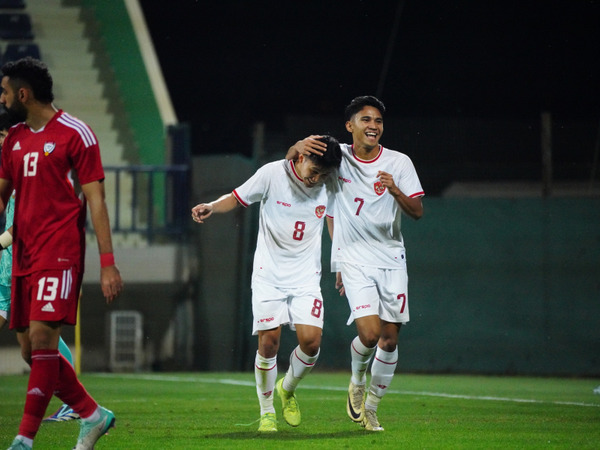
column 349, row 126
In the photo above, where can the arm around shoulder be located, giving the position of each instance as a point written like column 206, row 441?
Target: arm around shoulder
column 308, row 145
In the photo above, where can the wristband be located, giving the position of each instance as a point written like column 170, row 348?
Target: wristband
column 107, row 259
column 5, row 239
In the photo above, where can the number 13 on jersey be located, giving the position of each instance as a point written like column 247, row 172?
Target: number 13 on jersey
column 30, row 161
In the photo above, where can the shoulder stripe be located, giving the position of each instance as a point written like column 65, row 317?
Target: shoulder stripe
column 84, row 131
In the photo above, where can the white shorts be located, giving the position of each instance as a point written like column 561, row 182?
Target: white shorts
column 373, row 291
column 273, row 306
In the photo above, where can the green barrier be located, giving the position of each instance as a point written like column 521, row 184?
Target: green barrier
column 496, row 286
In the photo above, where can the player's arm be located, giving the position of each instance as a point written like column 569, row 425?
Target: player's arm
column 412, row 206
column 339, row 284
column 307, row 145
column 6, row 239
column 223, row 204
column 5, row 191
column 110, row 277
column 329, row 221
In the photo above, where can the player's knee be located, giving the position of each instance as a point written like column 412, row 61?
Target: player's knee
column 389, row 337
column 369, row 338
column 387, row 344
column 26, row 355
column 311, row 348
column 268, row 347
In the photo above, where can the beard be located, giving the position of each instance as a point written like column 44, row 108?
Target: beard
column 17, row 113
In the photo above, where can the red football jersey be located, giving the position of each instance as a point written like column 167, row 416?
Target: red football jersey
column 44, row 166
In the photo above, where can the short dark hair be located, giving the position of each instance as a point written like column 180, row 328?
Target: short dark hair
column 359, row 103
column 332, row 158
column 32, row 72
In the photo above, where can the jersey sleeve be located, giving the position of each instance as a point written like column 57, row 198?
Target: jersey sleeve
column 85, row 154
column 256, row 187
column 409, row 182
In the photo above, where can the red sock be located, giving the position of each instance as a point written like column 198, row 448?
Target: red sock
column 72, row 392
column 42, row 381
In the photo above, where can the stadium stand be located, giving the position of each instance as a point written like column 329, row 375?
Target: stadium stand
column 15, row 26
column 12, row 4
column 16, row 51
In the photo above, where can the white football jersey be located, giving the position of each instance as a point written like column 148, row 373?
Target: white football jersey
column 288, row 249
column 366, row 217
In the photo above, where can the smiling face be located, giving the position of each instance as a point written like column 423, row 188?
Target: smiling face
column 366, row 127
column 310, row 173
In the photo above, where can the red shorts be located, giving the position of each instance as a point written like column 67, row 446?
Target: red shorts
column 47, row 296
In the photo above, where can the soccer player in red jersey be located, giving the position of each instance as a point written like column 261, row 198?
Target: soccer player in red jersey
column 49, row 157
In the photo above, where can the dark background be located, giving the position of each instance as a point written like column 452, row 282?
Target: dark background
column 229, row 64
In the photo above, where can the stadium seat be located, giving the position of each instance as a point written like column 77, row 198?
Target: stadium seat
column 18, row 51
column 15, row 26
column 12, row 4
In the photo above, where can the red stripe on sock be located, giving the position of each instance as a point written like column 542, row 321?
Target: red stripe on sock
column 303, row 362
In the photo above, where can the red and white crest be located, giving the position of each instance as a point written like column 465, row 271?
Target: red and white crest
column 49, row 148
column 319, row 211
column 378, row 187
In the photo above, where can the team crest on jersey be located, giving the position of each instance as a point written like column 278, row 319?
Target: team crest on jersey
column 49, row 148
column 319, row 211
column 379, row 187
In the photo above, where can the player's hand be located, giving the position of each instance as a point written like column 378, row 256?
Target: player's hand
column 388, row 181
column 310, row 145
column 202, row 212
column 339, row 284
column 111, row 282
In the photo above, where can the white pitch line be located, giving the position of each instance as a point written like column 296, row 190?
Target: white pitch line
column 153, row 377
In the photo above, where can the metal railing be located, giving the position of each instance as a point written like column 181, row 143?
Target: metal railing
column 151, row 200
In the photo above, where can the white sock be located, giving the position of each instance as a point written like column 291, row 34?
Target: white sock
column 25, row 440
column 300, row 365
column 265, row 372
column 382, row 372
column 93, row 417
column 361, row 355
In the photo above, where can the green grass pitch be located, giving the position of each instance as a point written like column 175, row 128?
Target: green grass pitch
column 220, row 410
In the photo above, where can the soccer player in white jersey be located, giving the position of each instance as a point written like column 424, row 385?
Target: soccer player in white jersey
column 374, row 186
column 294, row 197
